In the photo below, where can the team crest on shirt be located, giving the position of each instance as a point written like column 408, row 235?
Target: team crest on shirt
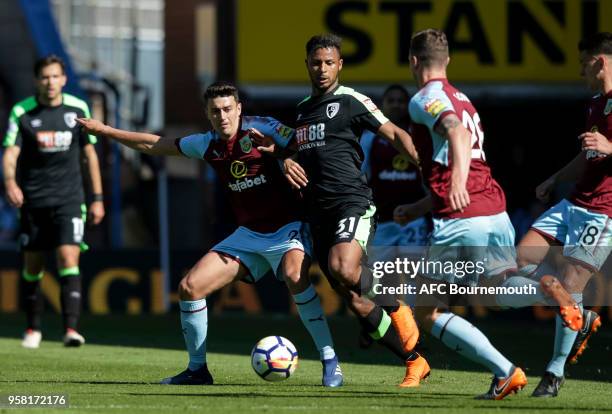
column 608, row 107
column 36, row 123
column 332, row 109
column 246, row 145
column 434, row 107
column 70, row 119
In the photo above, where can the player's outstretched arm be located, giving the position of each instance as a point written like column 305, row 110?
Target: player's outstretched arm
column 459, row 139
column 140, row 141
column 405, row 213
column 400, row 139
column 14, row 195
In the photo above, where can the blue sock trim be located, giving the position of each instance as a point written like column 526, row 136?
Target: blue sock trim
column 306, row 296
column 192, row 306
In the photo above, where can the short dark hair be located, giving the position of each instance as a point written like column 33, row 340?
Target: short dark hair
column 323, row 41
column 597, row 43
column 430, row 46
column 45, row 61
column 397, row 87
column 220, row 88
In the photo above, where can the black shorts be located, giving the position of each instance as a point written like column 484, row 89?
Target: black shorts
column 46, row 228
column 342, row 227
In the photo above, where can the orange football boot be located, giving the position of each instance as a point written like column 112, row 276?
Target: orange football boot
column 405, row 326
column 416, row 370
column 568, row 308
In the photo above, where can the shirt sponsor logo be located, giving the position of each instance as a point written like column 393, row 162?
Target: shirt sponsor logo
column 246, row 183
column 395, row 175
column 370, row 106
column 238, row 169
column 608, row 107
column 460, row 96
column 310, row 136
column 70, row 119
column 53, row 141
column 36, row 123
column 434, row 107
column 246, row 145
column 332, row 109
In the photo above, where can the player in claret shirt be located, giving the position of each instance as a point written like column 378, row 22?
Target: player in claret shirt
column 582, row 223
column 468, row 206
column 270, row 236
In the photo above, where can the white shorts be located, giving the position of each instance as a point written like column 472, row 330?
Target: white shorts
column 586, row 236
column 261, row 253
column 486, row 241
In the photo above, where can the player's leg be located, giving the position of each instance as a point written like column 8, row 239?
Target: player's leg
column 32, row 274
column 294, row 268
column 208, row 275
column 536, row 259
column 347, row 263
column 70, row 292
column 33, row 243
column 68, row 231
column 587, row 248
column 455, row 332
column 393, row 327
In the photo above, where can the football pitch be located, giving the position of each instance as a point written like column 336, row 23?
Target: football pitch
column 117, row 370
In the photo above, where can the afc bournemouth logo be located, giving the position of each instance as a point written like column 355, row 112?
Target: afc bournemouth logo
column 246, row 144
column 70, row 119
column 238, row 169
column 332, row 109
column 608, row 108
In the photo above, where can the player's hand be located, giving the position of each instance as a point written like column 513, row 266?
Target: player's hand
column 96, row 212
column 405, row 213
column 295, row 174
column 458, row 197
column 14, row 195
column 262, row 143
column 595, row 141
column 543, row 190
column 91, row 126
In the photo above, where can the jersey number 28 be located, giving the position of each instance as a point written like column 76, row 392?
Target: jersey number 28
column 472, row 124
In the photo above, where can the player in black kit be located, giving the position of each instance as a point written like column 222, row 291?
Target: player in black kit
column 338, row 200
column 42, row 176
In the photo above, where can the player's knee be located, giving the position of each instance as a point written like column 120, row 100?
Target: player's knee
column 187, row 289
column 344, row 270
column 293, row 277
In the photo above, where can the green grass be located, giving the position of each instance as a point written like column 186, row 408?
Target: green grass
column 118, row 369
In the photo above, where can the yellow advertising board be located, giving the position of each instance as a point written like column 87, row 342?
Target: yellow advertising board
column 490, row 40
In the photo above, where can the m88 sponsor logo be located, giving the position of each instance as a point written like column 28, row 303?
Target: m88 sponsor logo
column 309, row 136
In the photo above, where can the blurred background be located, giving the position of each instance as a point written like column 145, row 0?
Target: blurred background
column 143, row 65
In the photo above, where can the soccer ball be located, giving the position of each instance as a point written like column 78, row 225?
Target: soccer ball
column 274, row 358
